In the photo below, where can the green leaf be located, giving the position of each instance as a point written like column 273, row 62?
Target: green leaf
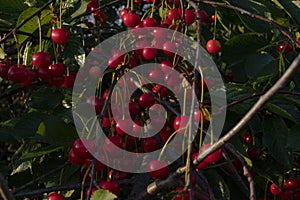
column 9, row 13
column 293, row 138
column 53, row 130
column 232, row 51
column 275, row 133
column 40, row 152
column 81, row 9
column 46, row 98
column 103, row 194
column 291, row 7
column 32, row 25
column 255, row 63
column 279, row 111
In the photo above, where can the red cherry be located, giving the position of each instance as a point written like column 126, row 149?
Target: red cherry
column 296, row 195
column 214, row 157
column 131, row 19
column 204, row 17
column 166, row 66
column 69, row 80
column 173, row 14
column 57, row 69
column 117, row 175
column 189, row 17
column 158, row 169
column 80, row 150
column 146, row 100
column 60, row 35
column 17, row 74
column 199, row 114
column 292, row 184
column 213, row 46
column 41, row 59
column 44, row 73
column 75, row 159
column 155, row 75
column 181, row 122
column 254, row 153
column 150, row 144
column 55, row 196
column 95, row 72
column 123, row 126
column 112, row 186
column 3, row 70
column 274, row 189
column 298, row 40
column 113, row 140
column 56, row 81
column 285, row 48
column 116, row 59
column 214, row 17
column 160, row 90
column 165, row 134
column 285, row 195
column 32, row 75
column 134, row 108
column 123, row 12
column 149, row 22
column 96, row 103
column 169, row 48
column 202, row 165
column 149, row 53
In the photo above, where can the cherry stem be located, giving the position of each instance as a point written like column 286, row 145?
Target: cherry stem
column 60, row 14
column 215, row 24
column 40, row 33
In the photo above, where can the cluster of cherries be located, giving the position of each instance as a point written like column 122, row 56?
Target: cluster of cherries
column 287, row 190
column 43, row 69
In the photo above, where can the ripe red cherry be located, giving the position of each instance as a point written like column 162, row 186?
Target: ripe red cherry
column 116, row 59
column 254, row 153
column 44, row 73
column 32, row 75
column 96, row 103
column 213, row 46
column 149, row 53
column 55, row 196
column 202, row 165
column 298, row 40
column 274, row 189
column 180, row 122
column 60, row 35
column 123, row 126
column 214, row 157
column 158, row 169
column 169, row 48
column 113, row 140
column 166, row 66
column 3, row 70
column 199, row 114
column 123, row 12
column 285, row 48
column 75, row 159
column 57, row 69
column 292, row 184
column 17, row 74
column 155, row 75
column 88, row 191
column 149, row 22
column 117, row 175
column 112, row 186
column 150, row 144
column 79, row 148
column 131, row 19
column 98, row 167
column 285, row 195
column 204, row 17
column 41, row 59
column 214, row 17
column 56, row 81
column 134, row 108
column 182, row 195
column 146, row 100
column 189, row 17
column 173, row 14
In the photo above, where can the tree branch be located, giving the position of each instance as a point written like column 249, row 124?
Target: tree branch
column 16, row 29
column 5, row 193
column 257, row 106
column 242, row 11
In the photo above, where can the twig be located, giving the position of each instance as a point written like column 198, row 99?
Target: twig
column 257, row 106
column 40, row 178
column 16, row 29
column 4, row 190
column 243, row 11
column 246, row 170
column 238, row 179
